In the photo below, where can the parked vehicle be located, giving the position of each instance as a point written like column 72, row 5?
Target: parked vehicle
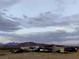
column 16, row 50
column 71, row 49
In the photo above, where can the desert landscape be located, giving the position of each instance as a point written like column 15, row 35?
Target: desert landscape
column 31, row 50
column 38, row 55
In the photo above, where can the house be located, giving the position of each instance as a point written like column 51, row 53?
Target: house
column 30, row 48
column 59, row 49
column 64, row 49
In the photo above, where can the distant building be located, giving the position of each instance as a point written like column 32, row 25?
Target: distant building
column 58, row 49
column 30, row 48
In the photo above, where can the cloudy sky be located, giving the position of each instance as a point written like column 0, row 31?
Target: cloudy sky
column 43, row 21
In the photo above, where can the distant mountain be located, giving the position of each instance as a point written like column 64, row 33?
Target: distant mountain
column 22, row 44
column 12, row 44
column 31, row 44
column 27, row 44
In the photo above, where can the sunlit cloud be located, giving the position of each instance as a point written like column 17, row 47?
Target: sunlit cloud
column 5, row 39
column 44, row 29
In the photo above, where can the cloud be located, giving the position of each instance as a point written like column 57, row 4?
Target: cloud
column 7, row 3
column 70, row 7
column 33, row 30
column 70, row 23
column 7, row 24
column 46, row 27
column 66, row 42
column 46, row 19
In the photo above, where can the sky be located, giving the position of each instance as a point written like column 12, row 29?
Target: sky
column 43, row 21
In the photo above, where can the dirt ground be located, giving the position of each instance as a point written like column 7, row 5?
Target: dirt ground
column 33, row 55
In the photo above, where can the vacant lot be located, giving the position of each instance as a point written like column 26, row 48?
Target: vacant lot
column 33, row 55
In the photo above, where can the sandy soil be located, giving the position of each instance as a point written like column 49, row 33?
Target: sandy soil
column 40, row 56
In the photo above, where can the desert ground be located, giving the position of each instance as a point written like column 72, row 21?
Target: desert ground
column 38, row 55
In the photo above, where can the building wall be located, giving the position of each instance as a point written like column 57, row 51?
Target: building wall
column 55, row 49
